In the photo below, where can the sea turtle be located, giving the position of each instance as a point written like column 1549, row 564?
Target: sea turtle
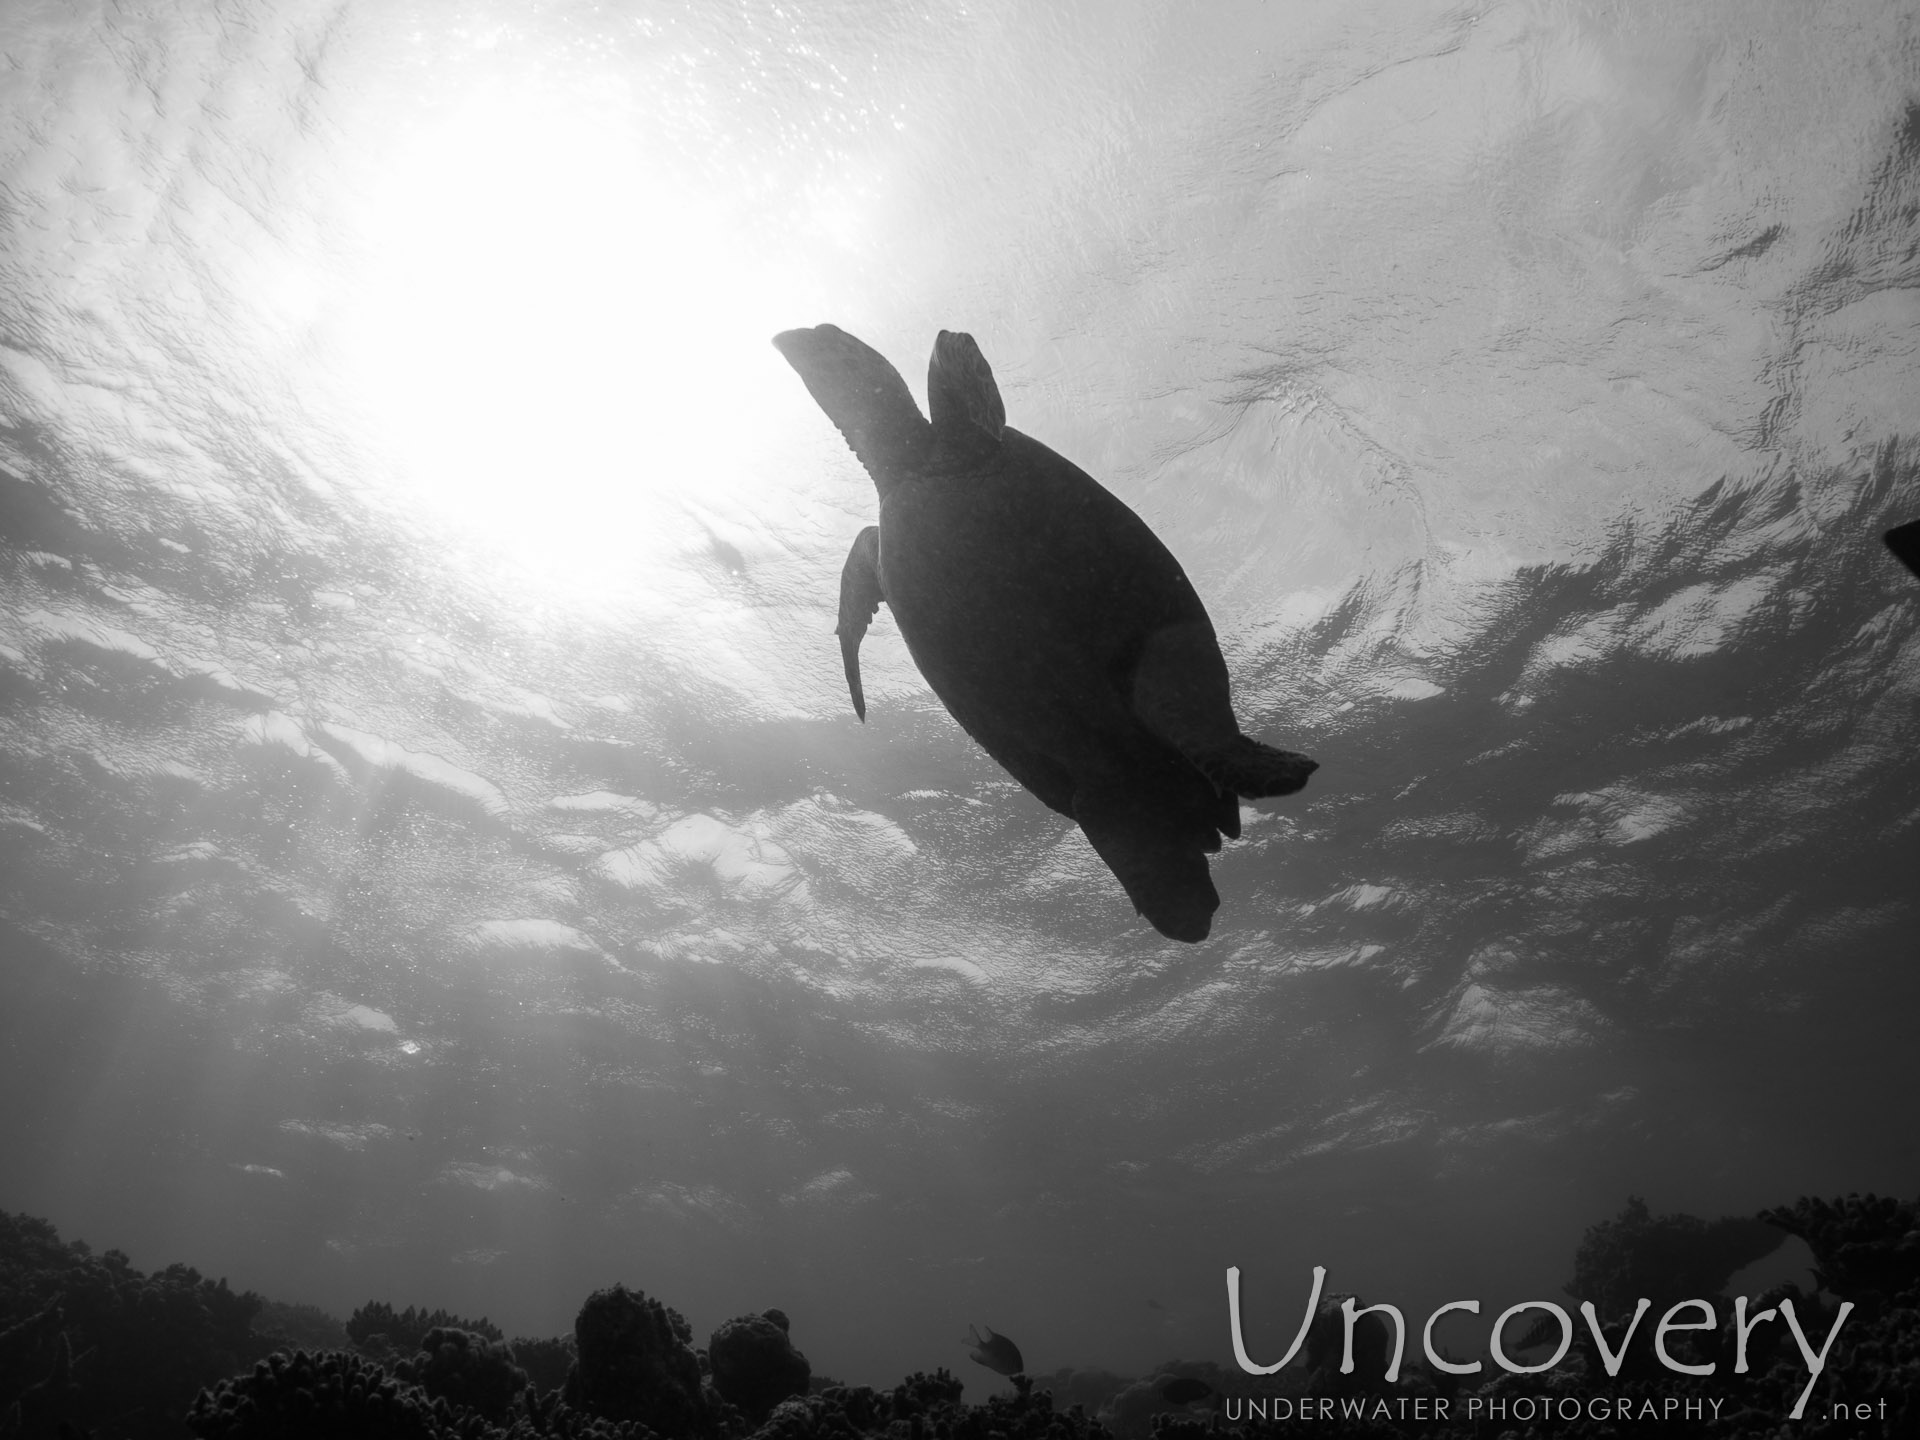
column 1053, row 624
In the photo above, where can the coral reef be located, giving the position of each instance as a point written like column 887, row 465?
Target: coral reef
column 84, row 1342
column 467, row 1370
column 545, row 1361
column 1665, row 1259
column 1091, row 1389
column 43, row 1407
column 404, row 1330
column 299, row 1327
column 309, row 1396
column 636, row 1362
column 1865, row 1247
column 305, row 1396
column 1327, row 1349
column 925, row 1405
column 1129, row 1411
column 104, row 1340
column 755, row 1365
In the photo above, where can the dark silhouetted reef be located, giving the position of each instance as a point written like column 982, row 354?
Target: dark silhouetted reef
column 1866, row 1246
column 309, row 1396
column 754, row 1363
column 545, row 1361
column 300, row 1327
column 636, row 1362
column 468, row 1371
column 135, row 1348
column 92, row 1347
column 377, row 1329
column 1665, row 1259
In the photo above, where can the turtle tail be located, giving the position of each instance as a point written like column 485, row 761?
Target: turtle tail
column 1246, row 768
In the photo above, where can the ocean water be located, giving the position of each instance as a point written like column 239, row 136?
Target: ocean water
column 438, row 860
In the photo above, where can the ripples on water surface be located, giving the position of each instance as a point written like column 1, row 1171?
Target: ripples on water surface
column 440, row 863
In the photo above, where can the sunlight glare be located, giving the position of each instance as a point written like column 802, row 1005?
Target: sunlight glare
column 558, row 341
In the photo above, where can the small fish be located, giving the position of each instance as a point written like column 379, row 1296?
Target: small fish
column 1184, row 1390
column 1153, row 1304
column 996, row 1352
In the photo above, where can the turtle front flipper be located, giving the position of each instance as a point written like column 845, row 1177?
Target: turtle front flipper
column 969, row 417
column 860, row 597
column 865, row 398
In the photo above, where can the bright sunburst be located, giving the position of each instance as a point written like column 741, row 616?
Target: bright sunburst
column 556, row 336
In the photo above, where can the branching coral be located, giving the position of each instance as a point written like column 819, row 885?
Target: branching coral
column 467, row 1370
column 309, row 1396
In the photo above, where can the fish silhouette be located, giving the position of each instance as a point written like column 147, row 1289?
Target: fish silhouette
column 996, row 1352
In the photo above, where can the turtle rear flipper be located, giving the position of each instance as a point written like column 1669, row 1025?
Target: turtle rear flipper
column 1180, row 693
column 1904, row 542
column 860, row 597
column 1246, row 768
column 1162, row 869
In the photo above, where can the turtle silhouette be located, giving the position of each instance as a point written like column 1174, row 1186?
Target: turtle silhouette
column 1049, row 619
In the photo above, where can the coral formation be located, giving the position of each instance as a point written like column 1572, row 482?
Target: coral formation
column 755, row 1365
column 467, row 1370
column 308, row 1396
column 1865, row 1246
column 300, row 1327
column 545, row 1361
column 1130, row 1410
column 1327, row 1349
column 105, row 1340
column 404, row 1330
column 637, row 1363
column 1666, row 1259
column 1091, row 1389
column 86, row 1345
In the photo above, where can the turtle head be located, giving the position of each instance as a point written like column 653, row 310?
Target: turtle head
column 865, row 398
column 968, row 413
